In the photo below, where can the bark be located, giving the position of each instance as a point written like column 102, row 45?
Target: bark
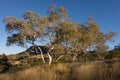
column 59, row 57
column 42, row 55
column 50, row 58
column 74, row 58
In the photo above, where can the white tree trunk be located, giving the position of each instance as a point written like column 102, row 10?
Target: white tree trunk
column 42, row 55
column 50, row 58
column 74, row 58
column 59, row 57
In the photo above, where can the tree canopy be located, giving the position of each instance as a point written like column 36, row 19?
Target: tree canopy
column 57, row 29
column 25, row 30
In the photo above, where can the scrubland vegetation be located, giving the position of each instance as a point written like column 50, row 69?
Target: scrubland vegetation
column 28, row 67
column 98, row 70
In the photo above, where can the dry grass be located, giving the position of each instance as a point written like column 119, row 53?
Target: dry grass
column 67, row 71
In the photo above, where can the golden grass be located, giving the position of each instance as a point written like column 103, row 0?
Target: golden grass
column 67, row 71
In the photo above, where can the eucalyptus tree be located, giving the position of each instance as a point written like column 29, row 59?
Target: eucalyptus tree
column 67, row 35
column 55, row 16
column 58, row 29
column 83, row 37
column 79, row 37
column 27, row 30
column 93, row 39
column 100, row 46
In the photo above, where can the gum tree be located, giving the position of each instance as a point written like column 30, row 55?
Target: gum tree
column 28, row 30
column 58, row 29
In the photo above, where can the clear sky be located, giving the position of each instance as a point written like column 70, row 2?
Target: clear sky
column 106, row 13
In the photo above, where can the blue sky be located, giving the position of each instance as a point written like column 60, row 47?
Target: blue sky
column 106, row 13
